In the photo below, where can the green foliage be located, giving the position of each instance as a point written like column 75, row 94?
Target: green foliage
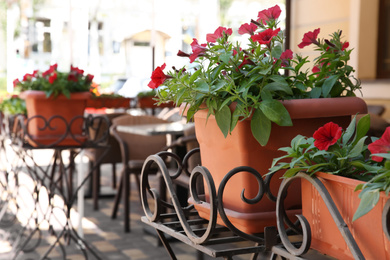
column 254, row 78
column 13, row 105
column 348, row 157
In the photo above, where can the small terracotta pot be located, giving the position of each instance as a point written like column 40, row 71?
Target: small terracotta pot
column 38, row 104
column 220, row 155
column 326, row 237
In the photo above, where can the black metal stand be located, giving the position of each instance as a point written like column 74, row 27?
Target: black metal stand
column 184, row 223
column 46, row 184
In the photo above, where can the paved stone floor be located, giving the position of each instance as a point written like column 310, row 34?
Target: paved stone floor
column 105, row 235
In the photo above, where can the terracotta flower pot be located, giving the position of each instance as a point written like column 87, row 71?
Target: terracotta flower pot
column 326, row 237
column 220, row 155
column 109, row 102
column 38, row 104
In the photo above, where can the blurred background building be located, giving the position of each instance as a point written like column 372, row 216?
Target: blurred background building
column 126, row 39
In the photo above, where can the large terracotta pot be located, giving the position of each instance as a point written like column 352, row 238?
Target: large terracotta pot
column 220, row 155
column 109, row 102
column 326, row 237
column 38, row 104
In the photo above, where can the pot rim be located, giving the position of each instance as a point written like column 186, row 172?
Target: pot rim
column 39, row 94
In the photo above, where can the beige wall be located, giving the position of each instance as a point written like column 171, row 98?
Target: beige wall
column 356, row 18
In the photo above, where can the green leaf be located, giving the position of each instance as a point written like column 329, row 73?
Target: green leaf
column 315, row 93
column 363, row 126
column 368, row 201
column 357, row 149
column 328, row 84
column 277, row 86
column 349, row 131
column 202, row 86
column 195, row 76
column 292, row 172
column 276, row 51
column 225, row 57
column 261, row 127
column 276, row 112
column 223, row 118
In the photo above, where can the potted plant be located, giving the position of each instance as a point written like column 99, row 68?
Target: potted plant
column 148, row 99
column 11, row 107
column 237, row 93
column 356, row 176
column 100, row 100
column 55, row 103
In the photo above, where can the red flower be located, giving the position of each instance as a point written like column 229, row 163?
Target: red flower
column 248, row 28
column 52, row 78
column 286, row 56
column 269, row 14
column 212, row 37
column 89, row 78
column 345, row 45
column 50, row 70
column 72, row 77
column 381, row 145
column 182, row 54
column 246, row 61
column 16, row 82
column 327, row 135
column 266, row 36
column 28, row 77
column 315, row 69
column 197, row 49
column 76, row 70
column 309, row 38
column 158, row 77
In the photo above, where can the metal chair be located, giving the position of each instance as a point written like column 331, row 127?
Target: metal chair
column 134, row 150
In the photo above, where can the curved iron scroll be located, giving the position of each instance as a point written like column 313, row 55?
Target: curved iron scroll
column 340, row 223
column 154, row 216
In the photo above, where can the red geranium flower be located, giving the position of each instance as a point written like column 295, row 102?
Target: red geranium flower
column 309, row 38
column 212, row 37
column 269, row 14
column 327, row 135
column 197, row 49
column 158, row 77
column 265, row 37
column 52, row 78
column 248, row 28
column 381, row 145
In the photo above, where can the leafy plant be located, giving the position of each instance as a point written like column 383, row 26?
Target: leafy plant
column 13, row 105
column 53, row 82
column 253, row 75
column 343, row 153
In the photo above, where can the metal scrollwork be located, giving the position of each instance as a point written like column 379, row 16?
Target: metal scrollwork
column 305, row 245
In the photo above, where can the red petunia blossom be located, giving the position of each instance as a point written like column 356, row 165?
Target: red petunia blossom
column 309, row 38
column 286, row 56
column 197, row 49
column 50, row 70
column 327, row 135
column 315, row 69
column 212, row 37
column 382, row 145
column 76, row 70
column 52, row 78
column 158, row 77
column 246, row 61
column 182, row 54
column 89, row 78
column 345, row 45
column 269, row 14
column 248, row 28
column 16, row 82
column 28, row 77
column 72, row 77
column 266, row 36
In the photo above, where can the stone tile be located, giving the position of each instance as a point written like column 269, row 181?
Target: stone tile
column 135, row 254
column 104, row 246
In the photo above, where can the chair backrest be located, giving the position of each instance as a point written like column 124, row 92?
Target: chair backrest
column 139, row 146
